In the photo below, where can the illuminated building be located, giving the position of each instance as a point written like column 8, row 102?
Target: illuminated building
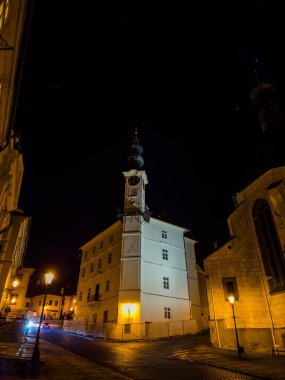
column 14, row 224
column 251, row 265
column 138, row 277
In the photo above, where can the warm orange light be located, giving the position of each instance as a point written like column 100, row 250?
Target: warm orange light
column 74, row 301
column 129, row 308
column 48, row 278
column 232, row 299
column 71, row 309
column 13, row 300
column 15, row 283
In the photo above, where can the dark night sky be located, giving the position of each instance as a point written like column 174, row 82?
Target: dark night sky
column 181, row 74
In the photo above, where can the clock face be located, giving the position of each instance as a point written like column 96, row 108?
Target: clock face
column 133, row 180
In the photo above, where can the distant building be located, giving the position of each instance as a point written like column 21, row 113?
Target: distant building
column 138, row 277
column 251, row 265
column 56, row 306
column 14, row 224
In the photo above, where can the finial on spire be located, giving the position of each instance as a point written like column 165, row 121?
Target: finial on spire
column 135, row 159
column 136, row 140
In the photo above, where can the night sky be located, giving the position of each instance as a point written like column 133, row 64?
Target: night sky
column 181, row 74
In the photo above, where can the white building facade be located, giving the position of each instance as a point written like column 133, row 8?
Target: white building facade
column 138, row 277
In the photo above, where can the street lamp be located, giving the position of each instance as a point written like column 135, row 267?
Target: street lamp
column 36, row 350
column 232, row 301
column 8, row 299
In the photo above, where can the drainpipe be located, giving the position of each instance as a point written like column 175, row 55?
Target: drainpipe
column 214, row 309
column 260, row 271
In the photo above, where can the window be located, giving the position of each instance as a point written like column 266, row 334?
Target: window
column 99, row 264
column 40, row 302
column 83, row 272
column 230, row 288
column 6, row 10
column 94, row 249
column 95, row 317
column 85, row 255
column 270, row 246
column 92, row 268
column 50, row 302
column 97, row 292
column 55, row 303
column 164, row 234
column 107, row 285
column 165, row 254
column 166, row 282
column 27, row 304
column 105, row 316
column 101, row 244
column 167, row 312
column 111, row 238
column 80, row 296
column 133, row 192
column 89, row 295
column 109, row 258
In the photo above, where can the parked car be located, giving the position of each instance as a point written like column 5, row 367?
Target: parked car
column 45, row 325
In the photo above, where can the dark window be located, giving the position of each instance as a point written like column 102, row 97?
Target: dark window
column 111, row 238
column 55, row 303
column 105, row 316
column 270, row 246
column 97, row 292
column 230, row 288
column 89, row 295
column 133, row 192
column 167, row 312
column 50, row 302
column 165, row 254
column 27, row 304
column 166, row 282
column 109, row 258
column 164, row 234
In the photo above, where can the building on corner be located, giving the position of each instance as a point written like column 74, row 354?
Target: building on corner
column 138, row 277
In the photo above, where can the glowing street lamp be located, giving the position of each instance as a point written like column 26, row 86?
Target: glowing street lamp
column 8, row 299
column 36, row 351
column 232, row 301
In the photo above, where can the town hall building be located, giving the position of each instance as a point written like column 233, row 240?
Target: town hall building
column 138, row 277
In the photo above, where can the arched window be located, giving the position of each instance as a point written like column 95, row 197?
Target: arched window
column 270, row 247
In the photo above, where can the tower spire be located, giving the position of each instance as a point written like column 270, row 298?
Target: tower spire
column 135, row 159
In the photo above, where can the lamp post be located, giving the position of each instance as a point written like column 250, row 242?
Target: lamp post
column 36, row 350
column 232, row 301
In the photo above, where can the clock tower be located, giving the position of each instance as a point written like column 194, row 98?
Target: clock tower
column 135, row 217
column 135, row 181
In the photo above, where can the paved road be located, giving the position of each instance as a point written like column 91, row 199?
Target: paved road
column 166, row 359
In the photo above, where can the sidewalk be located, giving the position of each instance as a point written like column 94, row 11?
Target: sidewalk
column 263, row 365
column 59, row 364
